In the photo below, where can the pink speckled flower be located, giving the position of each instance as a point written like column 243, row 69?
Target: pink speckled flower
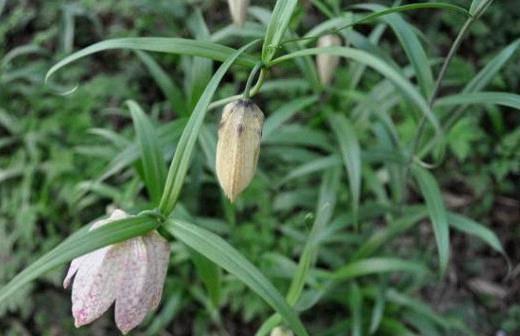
column 131, row 273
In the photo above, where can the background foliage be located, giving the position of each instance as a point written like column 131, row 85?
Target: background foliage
column 65, row 159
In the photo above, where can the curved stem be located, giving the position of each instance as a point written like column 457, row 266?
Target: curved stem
column 249, row 82
column 224, row 101
column 259, row 83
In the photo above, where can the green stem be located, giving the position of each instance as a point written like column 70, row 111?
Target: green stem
column 249, row 82
column 259, row 83
column 422, row 124
column 224, row 101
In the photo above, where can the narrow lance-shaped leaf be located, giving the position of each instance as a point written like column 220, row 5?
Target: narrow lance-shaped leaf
column 182, row 157
column 201, row 68
column 411, row 46
column 167, row 85
column 324, row 211
column 378, row 309
column 280, row 18
column 209, row 273
column 151, row 154
column 351, row 154
column 221, row 253
column 377, row 64
column 355, row 302
column 284, row 113
column 471, row 227
column 376, row 265
column 489, row 71
column 437, row 212
column 170, row 45
column 494, row 98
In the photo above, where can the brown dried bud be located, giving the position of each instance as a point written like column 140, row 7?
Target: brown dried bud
column 239, row 135
column 238, row 9
column 327, row 63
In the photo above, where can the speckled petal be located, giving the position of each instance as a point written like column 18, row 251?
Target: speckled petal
column 76, row 263
column 74, row 266
column 94, row 287
column 132, row 293
column 159, row 252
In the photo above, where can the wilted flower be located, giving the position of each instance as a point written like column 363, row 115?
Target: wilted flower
column 238, row 147
column 238, row 9
column 131, row 273
column 280, row 331
column 326, row 63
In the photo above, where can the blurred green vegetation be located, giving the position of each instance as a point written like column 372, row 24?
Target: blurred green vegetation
column 65, row 159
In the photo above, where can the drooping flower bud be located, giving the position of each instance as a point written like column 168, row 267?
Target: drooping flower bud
column 239, row 135
column 238, row 9
column 280, row 331
column 327, row 63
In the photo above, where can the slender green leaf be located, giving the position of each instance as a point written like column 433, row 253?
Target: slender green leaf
column 200, row 69
column 377, row 64
column 411, row 45
column 355, row 302
column 284, row 113
column 182, row 157
column 478, row 7
column 151, row 154
column 324, row 210
column 378, row 310
column 492, row 68
column 382, row 236
column 221, row 253
column 210, row 275
column 437, row 212
column 168, row 87
column 376, row 265
column 390, row 326
column 351, row 154
column 170, row 45
column 280, row 18
column 80, row 243
column 312, row 167
column 471, row 227
column 494, row 98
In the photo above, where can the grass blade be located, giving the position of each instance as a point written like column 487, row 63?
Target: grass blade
column 494, row 98
column 284, row 113
column 151, row 154
column 168, row 87
column 377, row 64
column 471, row 227
column 411, row 45
column 355, row 302
column 437, row 212
column 375, row 266
column 170, row 45
column 351, row 154
column 280, row 18
column 492, row 68
column 221, row 253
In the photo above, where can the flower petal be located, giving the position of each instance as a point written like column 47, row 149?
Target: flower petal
column 132, row 293
column 94, row 287
column 160, row 256
column 76, row 263
column 74, row 266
